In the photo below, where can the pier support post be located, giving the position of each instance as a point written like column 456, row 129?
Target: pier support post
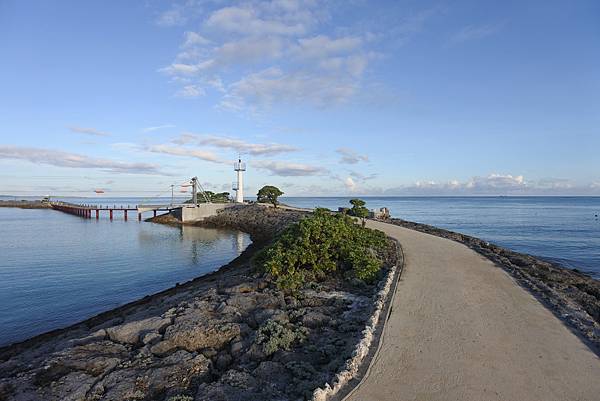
column 139, row 217
column 97, row 214
column 125, row 214
column 110, row 214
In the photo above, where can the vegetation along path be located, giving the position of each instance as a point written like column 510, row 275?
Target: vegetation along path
column 462, row 329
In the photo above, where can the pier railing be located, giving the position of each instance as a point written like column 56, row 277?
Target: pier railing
column 87, row 210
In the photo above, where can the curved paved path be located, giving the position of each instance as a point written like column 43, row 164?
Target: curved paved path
column 462, row 329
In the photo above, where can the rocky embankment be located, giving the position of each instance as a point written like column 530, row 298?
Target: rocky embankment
column 573, row 296
column 25, row 204
column 230, row 335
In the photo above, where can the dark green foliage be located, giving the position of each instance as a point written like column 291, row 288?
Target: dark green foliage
column 358, row 208
column 220, row 197
column 321, row 245
column 269, row 194
column 274, row 336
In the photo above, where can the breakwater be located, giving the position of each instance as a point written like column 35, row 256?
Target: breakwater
column 573, row 296
column 230, row 334
column 25, row 204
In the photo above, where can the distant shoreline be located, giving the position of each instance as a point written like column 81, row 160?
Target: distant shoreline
column 25, row 204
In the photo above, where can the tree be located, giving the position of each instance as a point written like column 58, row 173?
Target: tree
column 220, row 197
column 269, row 194
column 358, row 209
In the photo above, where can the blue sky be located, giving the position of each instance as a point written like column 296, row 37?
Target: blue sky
column 319, row 97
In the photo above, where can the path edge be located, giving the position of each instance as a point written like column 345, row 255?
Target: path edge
column 346, row 382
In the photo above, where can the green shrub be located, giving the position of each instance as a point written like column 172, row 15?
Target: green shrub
column 273, row 336
column 320, row 245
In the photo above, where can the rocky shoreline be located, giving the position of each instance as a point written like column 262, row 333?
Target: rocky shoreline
column 229, row 335
column 25, row 204
column 572, row 296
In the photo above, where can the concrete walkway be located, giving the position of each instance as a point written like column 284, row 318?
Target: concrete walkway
column 462, row 329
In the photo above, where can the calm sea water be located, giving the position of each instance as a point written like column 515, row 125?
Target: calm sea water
column 57, row 269
column 562, row 229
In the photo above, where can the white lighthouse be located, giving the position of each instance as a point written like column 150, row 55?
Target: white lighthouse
column 238, row 187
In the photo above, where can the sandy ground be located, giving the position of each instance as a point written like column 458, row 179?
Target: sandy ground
column 462, row 329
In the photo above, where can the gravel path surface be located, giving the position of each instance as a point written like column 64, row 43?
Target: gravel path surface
column 463, row 329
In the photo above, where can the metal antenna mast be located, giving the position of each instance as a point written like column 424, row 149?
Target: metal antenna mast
column 195, row 190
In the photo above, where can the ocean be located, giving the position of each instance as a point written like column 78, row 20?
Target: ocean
column 565, row 230
column 57, row 269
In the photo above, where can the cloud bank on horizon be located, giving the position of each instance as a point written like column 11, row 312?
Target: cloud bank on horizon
column 319, row 97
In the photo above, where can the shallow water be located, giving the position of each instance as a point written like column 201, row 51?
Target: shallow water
column 57, row 269
column 563, row 229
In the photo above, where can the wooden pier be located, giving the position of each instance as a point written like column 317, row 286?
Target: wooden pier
column 87, row 211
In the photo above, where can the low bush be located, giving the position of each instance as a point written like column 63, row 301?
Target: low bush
column 274, row 336
column 321, row 245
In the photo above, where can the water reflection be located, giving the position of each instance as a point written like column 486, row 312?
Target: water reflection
column 100, row 264
column 206, row 235
column 240, row 242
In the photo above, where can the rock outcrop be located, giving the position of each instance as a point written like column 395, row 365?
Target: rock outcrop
column 229, row 335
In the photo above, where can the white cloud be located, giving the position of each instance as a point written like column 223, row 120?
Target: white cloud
column 350, row 184
column 249, row 21
column 248, row 50
column 176, row 15
column 475, row 32
column 72, row 160
column 157, row 127
column 496, row 181
column 286, row 169
column 190, row 91
column 88, row 131
column 322, row 46
column 349, row 156
column 185, row 139
column 555, row 183
column 194, row 39
column 260, row 53
column 362, row 177
column 237, row 145
column 178, row 69
column 245, row 147
column 272, row 85
column 185, row 152
column 492, row 184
